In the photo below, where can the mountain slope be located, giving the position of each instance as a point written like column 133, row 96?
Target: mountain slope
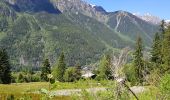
column 32, row 31
column 33, row 37
column 125, row 24
column 131, row 26
column 32, row 6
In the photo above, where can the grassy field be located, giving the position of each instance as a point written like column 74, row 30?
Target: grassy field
column 25, row 90
column 19, row 90
column 35, row 86
column 152, row 93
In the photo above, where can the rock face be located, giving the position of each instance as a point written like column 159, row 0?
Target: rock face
column 33, row 6
column 149, row 18
column 76, row 6
column 131, row 26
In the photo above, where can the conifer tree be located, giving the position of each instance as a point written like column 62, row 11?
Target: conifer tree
column 60, row 69
column 104, row 68
column 77, row 71
column 156, row 50
column 45, row 70
column 162, row 28
column 5, row 68
column 138, row 60
column 166, row 49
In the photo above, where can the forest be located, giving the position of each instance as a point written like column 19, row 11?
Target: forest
column 128, row 74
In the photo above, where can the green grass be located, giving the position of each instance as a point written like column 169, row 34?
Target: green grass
column 35, row 86
column 22, row 87
column 76, row 85
column 152, row 93
column 19, row 96
column 20, row 90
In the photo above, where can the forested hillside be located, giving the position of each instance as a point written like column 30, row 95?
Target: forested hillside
column 32, row 31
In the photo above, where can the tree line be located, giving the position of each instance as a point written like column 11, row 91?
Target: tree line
column 136, row 70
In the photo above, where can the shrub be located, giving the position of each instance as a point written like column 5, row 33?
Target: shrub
column 130, row 73
column 69, row 75
column 165, row 86
column 35, row 78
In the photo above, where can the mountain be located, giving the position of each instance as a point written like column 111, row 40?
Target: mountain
column 32, row 6
column 131, row 26
column 32, row 30
column 79, row 6
column 125, row 24
column 149, row 18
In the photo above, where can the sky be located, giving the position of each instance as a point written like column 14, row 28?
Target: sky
column 160, row 8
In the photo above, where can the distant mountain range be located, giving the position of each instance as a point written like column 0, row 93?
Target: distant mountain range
column 150, row 18
column 32, row 30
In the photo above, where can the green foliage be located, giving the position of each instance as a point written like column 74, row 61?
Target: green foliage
column 104, row 68
column 69, row 75
column 130, row 72
column 59, row 71
column 138, row 60
column 166, row 49
column 156, row 50
column 78, row 71
column 72, row 73
column 5, row 67
column 22, row 77
column 165, row 86
column 11, row 97
column 45, row 70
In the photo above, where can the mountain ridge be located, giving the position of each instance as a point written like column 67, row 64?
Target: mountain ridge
column 84, row 32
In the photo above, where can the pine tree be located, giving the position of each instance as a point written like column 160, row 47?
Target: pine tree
column 166, row 49
column 138, row 60
column 46, row 69
column 156, row 50
column 77, row 71
column 104, row 68
column 162, row 28
column 5, row 68
column 60, row 69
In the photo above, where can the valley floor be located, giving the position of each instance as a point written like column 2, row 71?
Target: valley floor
column 62, row 91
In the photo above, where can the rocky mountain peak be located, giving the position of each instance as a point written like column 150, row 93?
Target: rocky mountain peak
column 149, row 18
column 74, row 6
column 33, row 5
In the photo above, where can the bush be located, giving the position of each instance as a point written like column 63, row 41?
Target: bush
column 165, row 86
column 130, row 73
column 27, row 77
column 35, row 78
column 69, row 75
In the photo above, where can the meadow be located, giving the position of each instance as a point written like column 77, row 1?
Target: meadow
column 28, row 91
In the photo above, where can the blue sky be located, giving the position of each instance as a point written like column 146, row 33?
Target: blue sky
column 160, row 8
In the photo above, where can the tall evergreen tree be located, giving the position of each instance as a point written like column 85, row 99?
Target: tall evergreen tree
column 5, row 68
column 156, row 50
column 166, row 49
column 60, row 69
column 78, row 71
column 104, row 68
column 138, row 60
column 162, row 36
column 45, row 70
column 162, row 28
